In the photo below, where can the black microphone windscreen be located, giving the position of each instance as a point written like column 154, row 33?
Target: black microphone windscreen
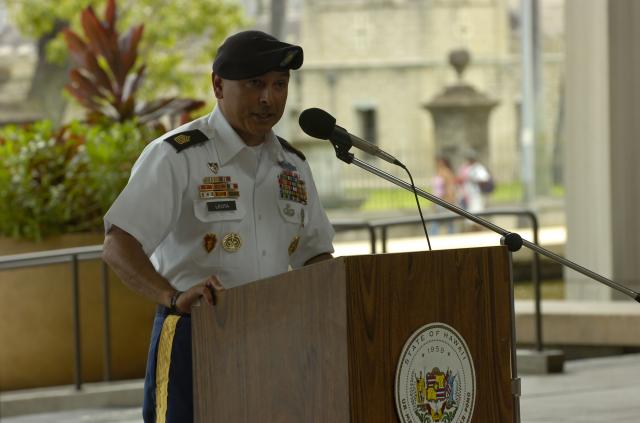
column 317, row 123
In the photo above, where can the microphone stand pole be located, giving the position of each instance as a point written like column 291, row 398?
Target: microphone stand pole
column 512, row 240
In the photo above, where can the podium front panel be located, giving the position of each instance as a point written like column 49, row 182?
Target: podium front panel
column 322, row 343
column 274, row 350
column 390, row 296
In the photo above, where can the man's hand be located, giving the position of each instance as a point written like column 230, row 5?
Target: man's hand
column 208, row 289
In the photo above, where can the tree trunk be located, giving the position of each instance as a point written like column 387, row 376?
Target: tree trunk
column 48, row 81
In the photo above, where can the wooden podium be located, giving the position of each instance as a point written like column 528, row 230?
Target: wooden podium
column 322, row 343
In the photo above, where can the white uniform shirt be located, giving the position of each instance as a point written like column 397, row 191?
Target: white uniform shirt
column 267, row 200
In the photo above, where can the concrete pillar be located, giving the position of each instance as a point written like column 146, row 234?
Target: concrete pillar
column 602, row 161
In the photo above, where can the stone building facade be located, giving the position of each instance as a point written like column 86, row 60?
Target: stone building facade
column 17, row 62
column 375, row 64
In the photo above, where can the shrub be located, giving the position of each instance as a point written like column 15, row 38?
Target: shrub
column 56, row 181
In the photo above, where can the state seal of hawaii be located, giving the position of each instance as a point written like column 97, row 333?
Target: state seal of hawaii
column 435, row 377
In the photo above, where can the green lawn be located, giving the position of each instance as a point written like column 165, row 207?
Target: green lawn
column 551, row 290
column 398, row 198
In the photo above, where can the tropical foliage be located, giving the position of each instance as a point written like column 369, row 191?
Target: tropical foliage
column 56, row 181
column 105, row 80
column 180, row 38
column 60, row 180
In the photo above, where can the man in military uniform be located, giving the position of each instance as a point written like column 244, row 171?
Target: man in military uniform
column 214, row 204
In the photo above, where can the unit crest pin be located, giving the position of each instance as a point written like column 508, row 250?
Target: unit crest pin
column 209, row 242
column 231, row 242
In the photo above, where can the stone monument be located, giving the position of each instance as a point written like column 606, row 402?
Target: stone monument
column 461, row 116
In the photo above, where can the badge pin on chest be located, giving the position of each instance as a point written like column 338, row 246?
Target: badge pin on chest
column 231, row 242
column 288, row 210
column 213, row 167
column 209, row 242
column 287, row 166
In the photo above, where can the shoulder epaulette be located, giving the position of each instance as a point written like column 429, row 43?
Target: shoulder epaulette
column 287, row 146
column 186, row 139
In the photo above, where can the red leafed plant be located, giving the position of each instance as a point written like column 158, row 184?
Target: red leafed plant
column 104, row 80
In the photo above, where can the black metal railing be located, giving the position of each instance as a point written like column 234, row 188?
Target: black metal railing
column 73, row 256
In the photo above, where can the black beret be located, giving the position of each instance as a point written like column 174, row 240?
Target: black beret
column 254, row 53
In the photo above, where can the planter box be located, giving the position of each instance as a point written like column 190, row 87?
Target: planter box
column 36, row 320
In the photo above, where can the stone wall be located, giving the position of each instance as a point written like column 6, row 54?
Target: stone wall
column 392, row 56
column 17, row 63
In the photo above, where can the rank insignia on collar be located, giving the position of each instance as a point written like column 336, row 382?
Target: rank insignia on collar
column 209, row 242
column 287, row 166
column 231, row 242
column 213, row 167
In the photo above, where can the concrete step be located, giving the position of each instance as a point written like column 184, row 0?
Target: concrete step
column 63, row 398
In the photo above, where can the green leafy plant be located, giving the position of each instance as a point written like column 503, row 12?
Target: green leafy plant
column 32, row 179
column 63, row 180
column 56, row 181
column 104, row 80
column 181, row 36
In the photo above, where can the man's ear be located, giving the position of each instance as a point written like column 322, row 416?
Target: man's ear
column 216, row 81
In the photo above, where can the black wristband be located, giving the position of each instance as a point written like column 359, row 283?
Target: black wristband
column 173, row 307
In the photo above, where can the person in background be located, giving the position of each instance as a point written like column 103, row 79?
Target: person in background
column 216, row 203
column 471, row 175
column 444, row 186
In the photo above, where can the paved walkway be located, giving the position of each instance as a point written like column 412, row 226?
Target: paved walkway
column 589, row 391
column 551, row 238
column 593, row 390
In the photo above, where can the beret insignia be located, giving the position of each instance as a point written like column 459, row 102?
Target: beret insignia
column 288, row 58
column 285, row 144
column 186, row 139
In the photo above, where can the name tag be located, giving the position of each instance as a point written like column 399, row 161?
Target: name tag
column 214, row 206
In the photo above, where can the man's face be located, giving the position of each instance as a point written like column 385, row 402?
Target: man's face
column 252, row 106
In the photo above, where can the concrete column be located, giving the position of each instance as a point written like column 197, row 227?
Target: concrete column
column 602, row 165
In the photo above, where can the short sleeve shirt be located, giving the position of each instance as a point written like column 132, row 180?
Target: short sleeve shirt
column 221, row 208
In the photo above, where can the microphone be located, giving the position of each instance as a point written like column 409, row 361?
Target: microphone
column 319, row 124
